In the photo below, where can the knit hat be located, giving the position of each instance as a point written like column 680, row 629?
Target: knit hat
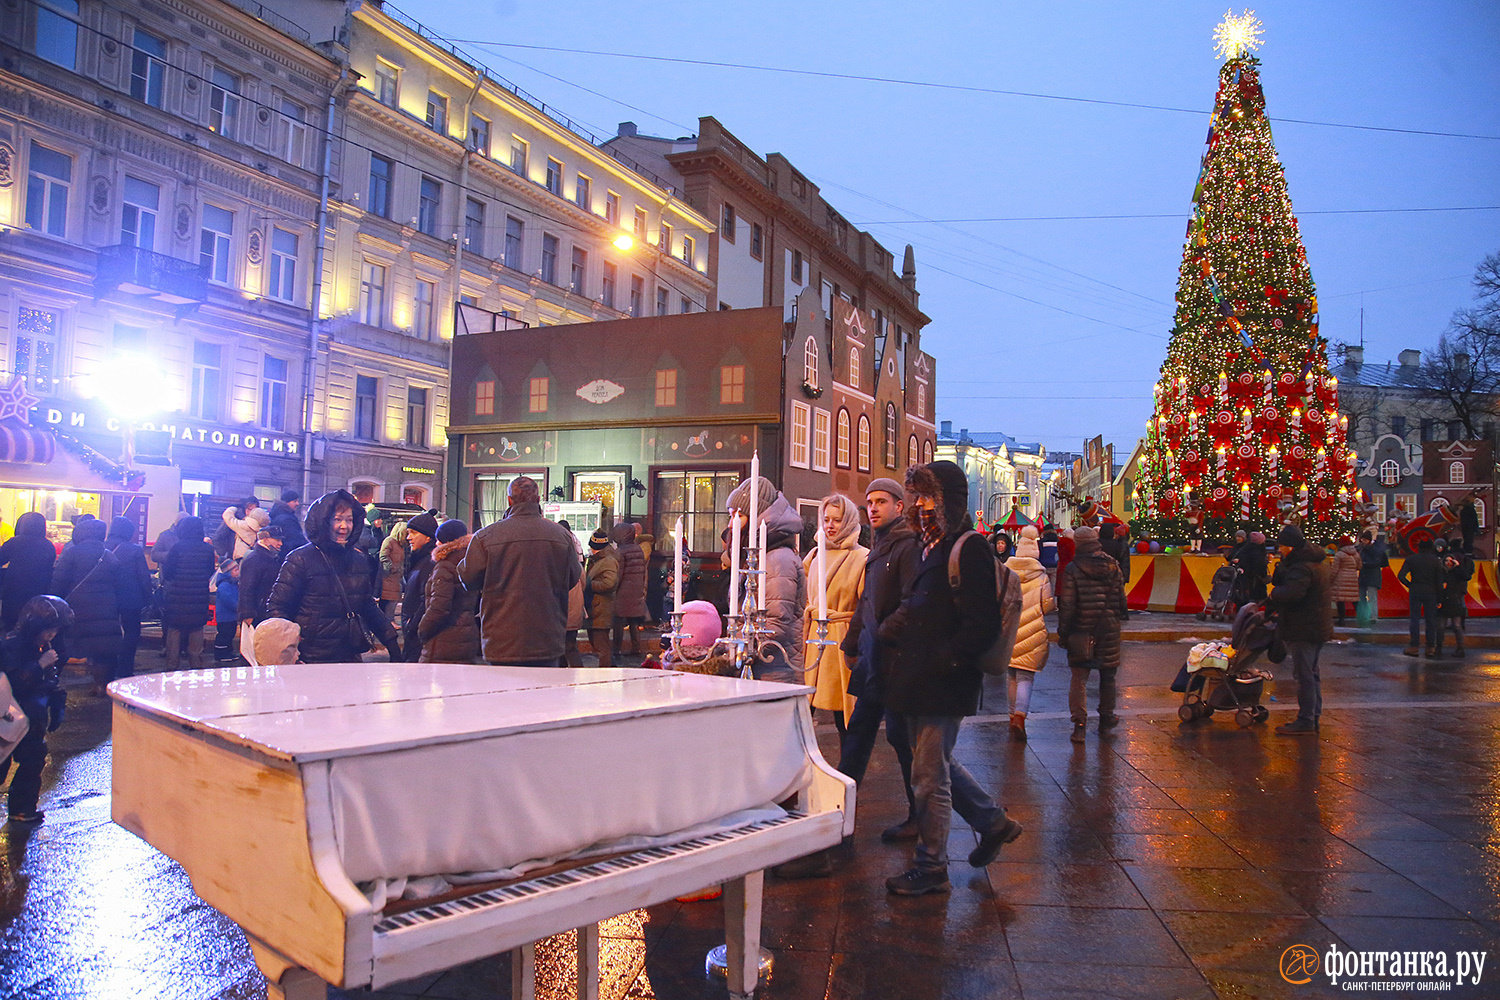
column 1258, row 537
column 1030, row 532
column 700, row 624
column 1027, row 546
column 424, row 523
column 599, row 540
column 883, row 485
column 739, row 497
column 290, row 496
column 276, row 642
column 450, row 530
column 272, row 531
column 1345, row 540
column 1291, row 536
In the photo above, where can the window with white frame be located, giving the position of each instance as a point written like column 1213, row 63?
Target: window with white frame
column 518, row 154
column 922, row 399
column 810, row 362
column 224, row 104
column 801, row 419
column 424, row 312
column 1405, row 503
column 1479, row 512
column 437, row 112
column 1456, row 472
column 890, row 435
column 387, row 83
column 822, row 426
column 841, row 440
column 273, row 383
column 664, row 238
column 366, row 407
column 549, row 258
column 640, row 224
column 38, row 347
column 372, row 294
column 429, row 199
column 291, row 133
column 611, row 208
column 213, row 242
column 515, row 241
column 416, row 416
column 689, row 253
column 927, row 452
column 48, row 181
column 862, row 452
column 283, row 281
column 578, row 275
column 554, row 176
column 607, row 285
column 1378, row 502
column 479, row 135
column 913, row 453
column 57, row 32
column 1437, row 502
column 138, row 215
column 474, row 226
column 207, row 390
column 382, row 174
column 854, row 368
column 148, row 67
column 1390, row 472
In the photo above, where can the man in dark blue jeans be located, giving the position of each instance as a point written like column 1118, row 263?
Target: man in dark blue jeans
column 1302, row 597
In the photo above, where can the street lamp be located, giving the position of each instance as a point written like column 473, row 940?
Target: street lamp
column 624, row 241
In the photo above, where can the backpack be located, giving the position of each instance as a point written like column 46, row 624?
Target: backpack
column 995, row 660
column 223, row 543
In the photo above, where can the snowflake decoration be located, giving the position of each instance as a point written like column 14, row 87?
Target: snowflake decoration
column 1237, row 36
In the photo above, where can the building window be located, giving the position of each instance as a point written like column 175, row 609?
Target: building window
column 283, row 283
column 549, row 258
column 701, row 500
column 640, row 223
column 1455, row 430
column 1390, row 472
column 922, row 399
column 484, row 398
column 797, row 266
column 927, row 452
column 273, row 378
column 437, row 112
column 822, row 425
column 607, row 285
column 913, row 454
column 578, row 273
column 756, row 241
column 611, row 208
column 479, row 135
column 427, row 206
column 515, row 241
column 637, row 294
column 554, row 176
column 424, row 301
column 688, row 253
column 801, row 417
column 382, row 171
column 37, row 347
column 291, row 133
column 841, row 452
column 474, row 226
column 538, row 397
column 213, row 245
column 224, row 104
column 890, row 435
column 130, row 339
column 666, row 387
column 810, row 362
column 687, row 304
column 47, row 185
column 1479, row 512
column 518, row 154
column 726, row 225
column 1428, row 430
column 661, row 301
column 854, row 368
column 731, row 384
column 138, row 217
column 416, row 417
column 148, row 67
column 387, row 84
column 583, row 193
column 372, row 294
column 1456, row 472
column 1406, row 503
column 1378, row 500
column 57, row 32
column 207, row 388
column 1398, row 426
column 863, row 452
column 664, row 238
column 366, row 407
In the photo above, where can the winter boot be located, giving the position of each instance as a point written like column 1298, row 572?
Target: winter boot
column 1018, row 727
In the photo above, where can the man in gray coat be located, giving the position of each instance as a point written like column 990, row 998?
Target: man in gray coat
column 522, row 566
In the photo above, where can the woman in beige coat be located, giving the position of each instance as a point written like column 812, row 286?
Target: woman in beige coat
column 603, row 572
column 1030, row 654
column 828, row 671
column 1345, row 576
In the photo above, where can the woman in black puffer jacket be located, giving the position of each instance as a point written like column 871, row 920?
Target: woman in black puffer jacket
column 135, row 589
column 27, row 558
column 327, row 588
column 87, row 576
column 185, row 573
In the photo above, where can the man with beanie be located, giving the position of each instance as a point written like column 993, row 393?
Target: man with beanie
column 889, row 570
column 421, row 536
column 1090, row 606
column 940, row 630
column 522, row 567
column 284, row 514
column 1302, row 598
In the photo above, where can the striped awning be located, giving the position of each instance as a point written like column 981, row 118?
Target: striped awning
column 25, row 445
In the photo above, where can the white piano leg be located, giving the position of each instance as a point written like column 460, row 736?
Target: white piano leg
column 588, row 962
column 742, row 899
column 523, row 972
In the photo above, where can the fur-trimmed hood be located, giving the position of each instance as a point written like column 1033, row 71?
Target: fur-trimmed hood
column 946, row 483
column 455, row 548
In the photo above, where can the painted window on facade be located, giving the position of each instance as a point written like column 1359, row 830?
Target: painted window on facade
column 537, row 402
column 801, row 416
column 732, row 384
column 913, row 454
column 822, row 425
column 890, row 435
column 484, row 398
column 841, row 447
column 1390, row 472
column 854, row 368
column 863, row 451
column 666, row 387
column 810, row 362
column 1456, row 472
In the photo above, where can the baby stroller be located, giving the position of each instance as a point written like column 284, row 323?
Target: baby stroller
column 1220, row 590
column 1221, row 676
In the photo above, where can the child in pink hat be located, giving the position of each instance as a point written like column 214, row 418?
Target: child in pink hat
column 699, row 651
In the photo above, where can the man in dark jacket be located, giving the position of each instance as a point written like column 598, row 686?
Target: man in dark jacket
column 1090, row 606
column 1372, row 563
column 522, row 567
column 1423, row 576
column 257, row 576
column 88, row 578
column 284, row 514
column 1302, row 598
column 889, row 570
column 27, row 559
column 327, row 588
column 185, row 573
column 421, row 535
column 135, row 589
column 940, row 631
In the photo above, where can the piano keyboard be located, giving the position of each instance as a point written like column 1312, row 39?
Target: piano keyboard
column 573, row 876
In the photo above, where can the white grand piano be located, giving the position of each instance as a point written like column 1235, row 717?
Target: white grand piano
column 300, row 798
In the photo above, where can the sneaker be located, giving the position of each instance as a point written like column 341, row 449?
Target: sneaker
column 1409, row 651
column 1300, row 727
column 990, row 843
column 816, row 865
column 904, row 830
column 915, row 882
column 1107, row 722
column 1018, row 727
column 27, row 819
column 1077, row 736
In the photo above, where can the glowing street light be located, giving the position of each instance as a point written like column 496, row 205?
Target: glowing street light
column 624, row 241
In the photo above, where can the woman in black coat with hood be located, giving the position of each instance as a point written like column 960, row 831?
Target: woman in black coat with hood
column 421, row 533
column 135, row 589
column 27, row 559
column 185, row 573
column 87, row 576
column 327, row 588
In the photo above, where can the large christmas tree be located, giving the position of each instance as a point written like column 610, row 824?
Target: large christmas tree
column 1246, row 430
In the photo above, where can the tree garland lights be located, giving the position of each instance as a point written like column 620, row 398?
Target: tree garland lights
column 1246, row 430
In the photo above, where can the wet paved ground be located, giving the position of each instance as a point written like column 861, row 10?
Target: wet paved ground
column 1161, row 863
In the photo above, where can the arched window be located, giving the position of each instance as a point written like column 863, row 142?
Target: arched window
column 810, row 362
column 1456, row 472
column 890, row 435
column 913, row 455
column 1439, row 502
column 863, row 452
column 841, row 448
column 1390, row 472
column 927, row 452
column 854, row 367
column 1479, row 511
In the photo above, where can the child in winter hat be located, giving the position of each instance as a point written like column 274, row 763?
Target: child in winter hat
column 276, row 642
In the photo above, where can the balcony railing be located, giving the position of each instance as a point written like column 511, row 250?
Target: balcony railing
column 472, row 319
column 131, row 269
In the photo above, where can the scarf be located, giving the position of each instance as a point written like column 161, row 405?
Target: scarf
column 929, row 527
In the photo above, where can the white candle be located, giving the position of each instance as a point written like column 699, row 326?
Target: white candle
column 734, row 561
column 760, row 592
column 677, row 567
column 822, row 574
column 754, row 492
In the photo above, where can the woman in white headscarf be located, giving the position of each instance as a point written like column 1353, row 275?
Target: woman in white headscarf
column 838, row 519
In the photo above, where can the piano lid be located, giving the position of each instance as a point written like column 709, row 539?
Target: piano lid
column 307, row 712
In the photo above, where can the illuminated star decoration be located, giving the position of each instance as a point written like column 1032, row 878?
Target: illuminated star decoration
column 1237, row 36
column 15, row 402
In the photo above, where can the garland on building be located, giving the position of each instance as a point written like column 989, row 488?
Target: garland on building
column 1246, row 430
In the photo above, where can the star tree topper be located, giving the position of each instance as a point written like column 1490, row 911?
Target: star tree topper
column 1237, row 36
column 15, row 402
